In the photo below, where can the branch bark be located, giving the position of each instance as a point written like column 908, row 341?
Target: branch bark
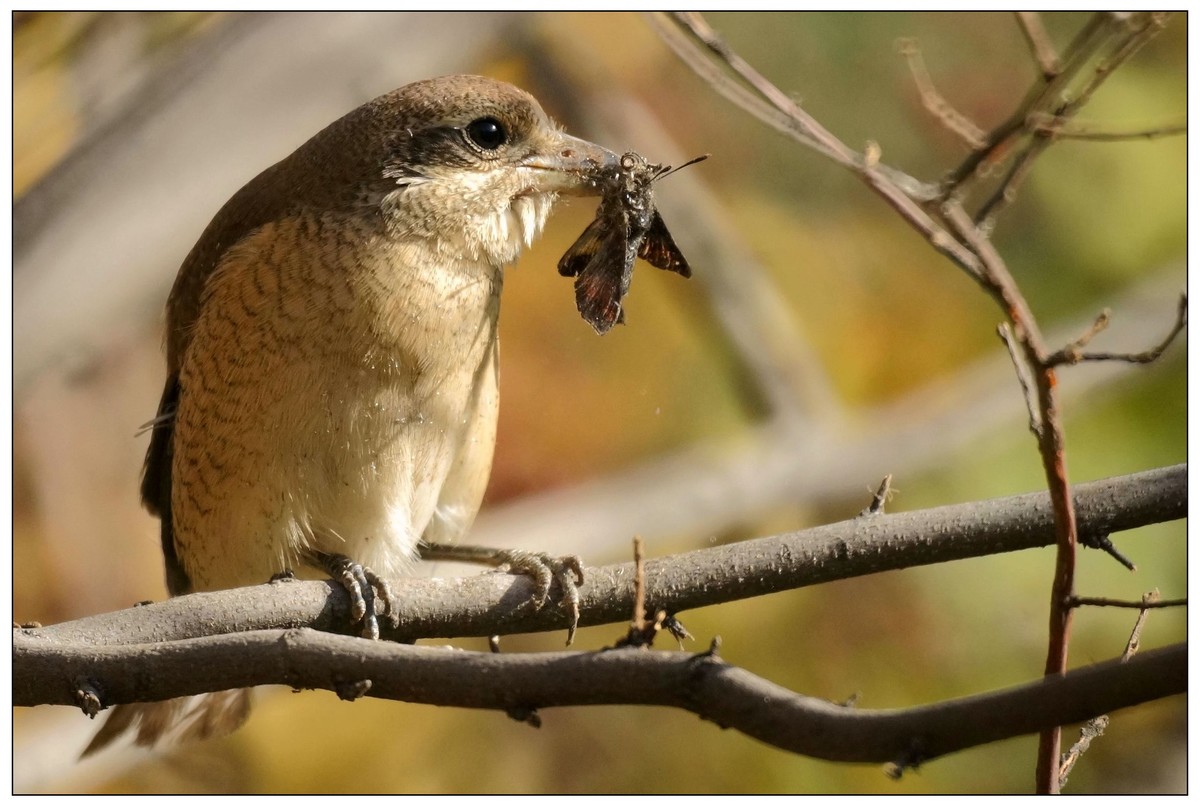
column 490, row 604
column 523, row 683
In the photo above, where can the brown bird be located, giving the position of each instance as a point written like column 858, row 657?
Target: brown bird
column 331, row 396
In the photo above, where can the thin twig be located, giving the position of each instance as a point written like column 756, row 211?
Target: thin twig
column 1074, row 130
column 935, row 103
column 1100, row 601
column 1019, row 366
column 1151, row 24
column 1073, row 352
column 998, row 282
column 639, row 586
column 903, row 192
column 1150, row 600
column 1094, row 728
column 1039, row 42
column 1005, row 193
column 1091, row 730
column 880, row 498
column 1102, row 542
column 1078, row 53
column 724, row 84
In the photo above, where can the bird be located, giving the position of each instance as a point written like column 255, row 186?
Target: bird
column 332, row 357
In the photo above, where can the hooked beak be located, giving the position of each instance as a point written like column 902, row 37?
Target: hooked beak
column 570, row 166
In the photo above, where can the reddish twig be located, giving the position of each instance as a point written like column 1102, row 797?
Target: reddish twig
column 998, row 282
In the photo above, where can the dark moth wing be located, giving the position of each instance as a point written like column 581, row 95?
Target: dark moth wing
column 597, row 262
column 627, row 226
column 586, row 247
column 603, row 281
column 658, row 249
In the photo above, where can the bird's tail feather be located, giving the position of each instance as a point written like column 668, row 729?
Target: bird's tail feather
column 184, row 719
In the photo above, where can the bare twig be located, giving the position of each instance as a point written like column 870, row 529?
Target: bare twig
column 935, row 103
column 880, row 498
column 1019, row 366
column 1091, row 730
column 1135, row 35
column 1151, row 604
column 1094, row 728
column 1073, row 352
column 1039, row 42
column 1085, row 44
column 1074, row 130
column 998, row 282
column 1102, row 542
column 723, row 83
column 901, row 191
column 1139, row 29
column 639, row 586
column 1150, row 599
column 641, row 633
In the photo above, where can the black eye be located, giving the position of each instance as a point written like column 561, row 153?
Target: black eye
column 487, row 133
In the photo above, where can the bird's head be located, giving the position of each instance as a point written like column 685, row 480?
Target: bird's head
column 469, row 164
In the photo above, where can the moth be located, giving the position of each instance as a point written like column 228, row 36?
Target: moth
column 627, row 226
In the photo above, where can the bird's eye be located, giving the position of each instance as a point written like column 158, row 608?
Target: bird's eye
column 487, row 133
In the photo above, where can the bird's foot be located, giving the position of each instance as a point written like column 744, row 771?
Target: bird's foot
column 363, row 585
column 544, row 569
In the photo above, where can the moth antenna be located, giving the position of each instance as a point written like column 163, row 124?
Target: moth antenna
column 669, row 170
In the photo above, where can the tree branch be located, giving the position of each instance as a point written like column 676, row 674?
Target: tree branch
column 702, row 684
column 488, row 604
column 1105, row 42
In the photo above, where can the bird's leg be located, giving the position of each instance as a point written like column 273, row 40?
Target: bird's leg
column 543, row 569
column 363, row 585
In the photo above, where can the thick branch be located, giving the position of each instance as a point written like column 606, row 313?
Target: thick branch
column 703, row 684
column 495, row 603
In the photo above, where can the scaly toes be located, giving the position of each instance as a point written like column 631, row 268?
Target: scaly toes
column 361, row 584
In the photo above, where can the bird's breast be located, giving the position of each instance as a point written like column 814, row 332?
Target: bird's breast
column 333, row 383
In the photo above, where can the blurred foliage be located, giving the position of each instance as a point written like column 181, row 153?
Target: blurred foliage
column 885, row 315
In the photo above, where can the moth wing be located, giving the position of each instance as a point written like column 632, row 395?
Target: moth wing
column 659, row 250
column 586, row 246
column 603, row 281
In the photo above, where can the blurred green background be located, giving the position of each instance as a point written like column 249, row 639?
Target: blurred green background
column 130, row 130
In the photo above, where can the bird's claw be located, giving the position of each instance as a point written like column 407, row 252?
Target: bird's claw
column 545, row 569
column 363, row 585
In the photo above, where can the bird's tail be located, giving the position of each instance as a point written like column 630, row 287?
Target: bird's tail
column 184, row 719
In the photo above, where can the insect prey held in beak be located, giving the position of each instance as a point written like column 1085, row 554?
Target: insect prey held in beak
column 627, row 226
